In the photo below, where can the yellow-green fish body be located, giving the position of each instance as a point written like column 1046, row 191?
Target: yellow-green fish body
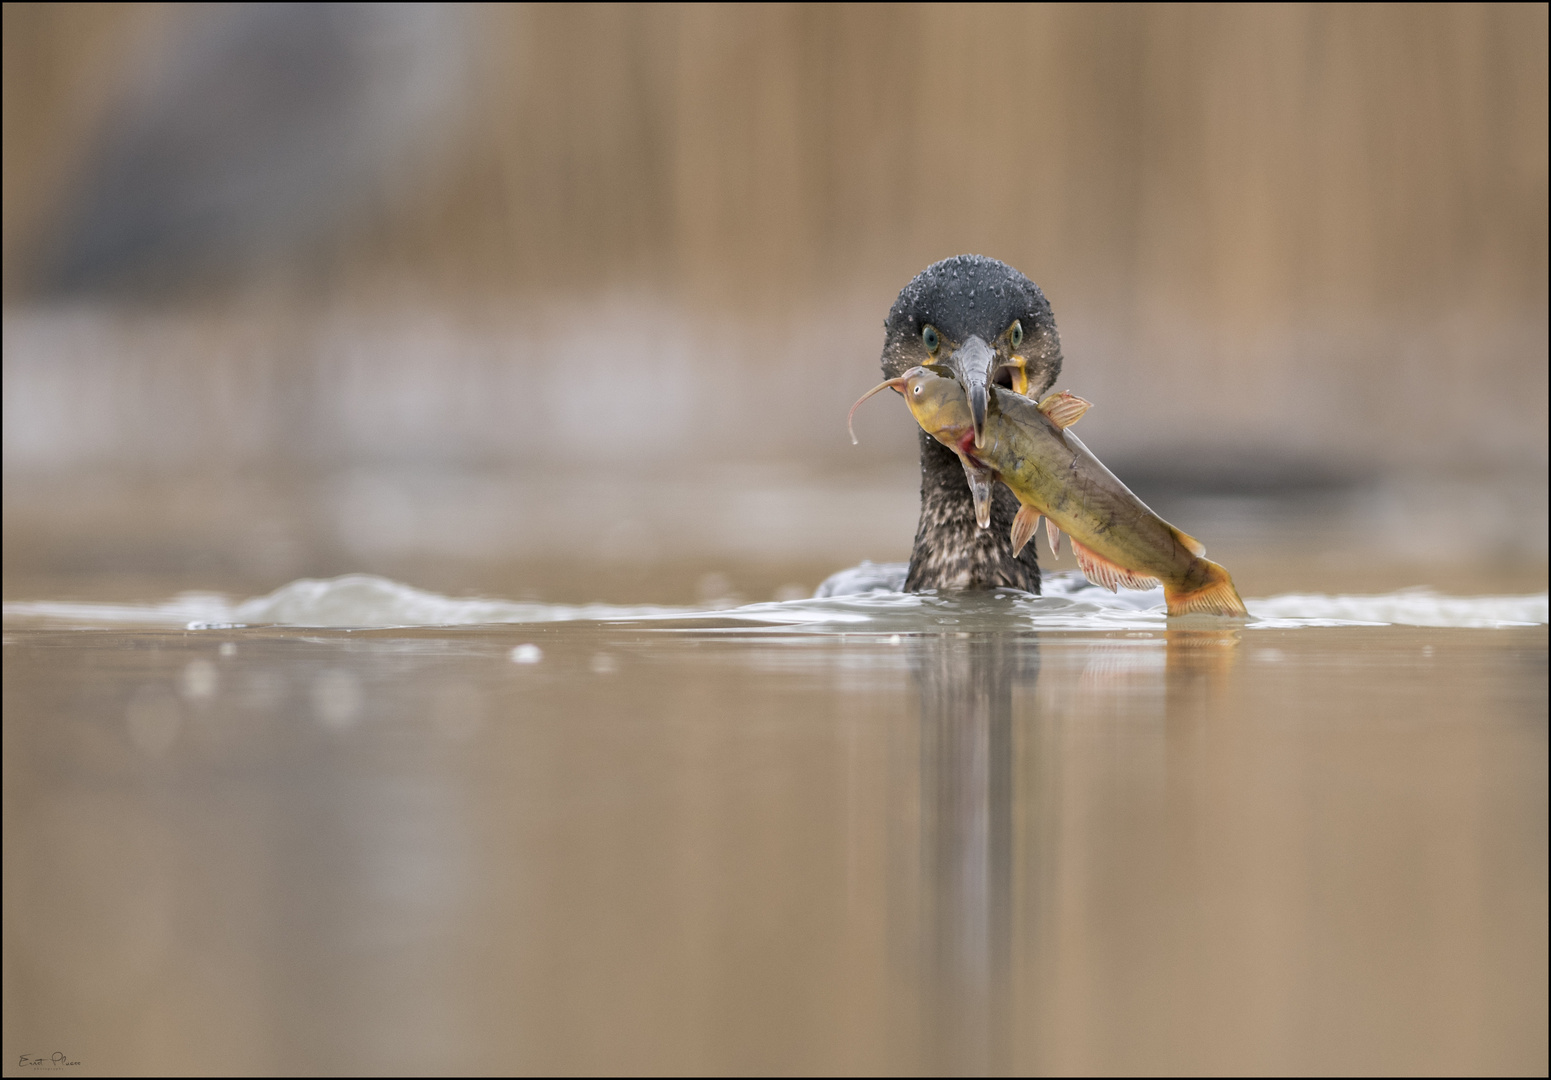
column 1117, row 539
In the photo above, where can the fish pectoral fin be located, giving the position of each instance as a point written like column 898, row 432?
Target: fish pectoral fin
column 980, row 480
column 1053, row 534
column 1064, row 409
column 1110, row 575
column 1024, row 526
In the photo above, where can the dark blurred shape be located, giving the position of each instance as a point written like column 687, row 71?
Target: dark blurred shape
column 1251, row 474
column 253, row 142
column 1243, row 167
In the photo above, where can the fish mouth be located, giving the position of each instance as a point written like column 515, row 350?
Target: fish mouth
column 973, row 365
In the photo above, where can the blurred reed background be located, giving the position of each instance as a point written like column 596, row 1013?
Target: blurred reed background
column 572, row 299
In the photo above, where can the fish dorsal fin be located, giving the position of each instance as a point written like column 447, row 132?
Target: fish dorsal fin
column 1099, row 570
column 1024, row 526
column 1190, row 543
column 1064, row 409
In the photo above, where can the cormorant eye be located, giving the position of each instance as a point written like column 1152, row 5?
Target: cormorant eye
column 929, row 335
column 1016, row 333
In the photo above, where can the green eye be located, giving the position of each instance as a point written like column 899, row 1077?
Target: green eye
column 1016, row 334
column 929, row 335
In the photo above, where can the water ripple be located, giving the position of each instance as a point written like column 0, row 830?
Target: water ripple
column 1069, row 603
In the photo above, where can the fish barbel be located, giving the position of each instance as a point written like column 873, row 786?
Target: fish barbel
column 1117, row 540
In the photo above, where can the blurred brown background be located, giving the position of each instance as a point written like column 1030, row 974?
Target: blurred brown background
column 299, row 289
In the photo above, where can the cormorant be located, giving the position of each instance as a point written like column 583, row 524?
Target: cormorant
column 990, row 325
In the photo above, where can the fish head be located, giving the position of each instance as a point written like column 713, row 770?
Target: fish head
column 935, row 399
column 982, row 321
column 939, row 404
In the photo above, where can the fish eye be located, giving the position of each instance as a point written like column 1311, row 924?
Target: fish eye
column 1015, row 333
column 917, row 390
column 929, row 336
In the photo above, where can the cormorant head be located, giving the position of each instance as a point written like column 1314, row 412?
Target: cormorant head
column 979, row 320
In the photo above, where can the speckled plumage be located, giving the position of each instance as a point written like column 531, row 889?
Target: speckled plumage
column 963, row 296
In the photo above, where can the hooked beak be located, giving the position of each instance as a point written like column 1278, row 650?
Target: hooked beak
column 972, row 365
column 888, row 384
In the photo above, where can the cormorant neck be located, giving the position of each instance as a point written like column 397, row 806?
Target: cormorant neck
column 951, row 551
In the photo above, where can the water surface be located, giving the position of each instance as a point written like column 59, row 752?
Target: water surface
column 871, row 834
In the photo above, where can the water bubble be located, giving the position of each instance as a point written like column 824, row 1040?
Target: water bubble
column 228, row 649
column 336, row 698
column 527, row 653
column 894, row 639
column 199, row 680
column 603, row 664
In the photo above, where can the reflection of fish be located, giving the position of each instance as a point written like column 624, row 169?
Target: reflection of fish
column 1117, row 540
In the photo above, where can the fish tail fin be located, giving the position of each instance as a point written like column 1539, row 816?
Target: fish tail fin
column 1024, row 526
column 1216, row 597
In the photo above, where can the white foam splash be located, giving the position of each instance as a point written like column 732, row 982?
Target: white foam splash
column 1069, row 603
column 1409, row 607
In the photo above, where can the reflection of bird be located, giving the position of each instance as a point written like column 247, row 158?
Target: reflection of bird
column 990, row 325
column 967, row 792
